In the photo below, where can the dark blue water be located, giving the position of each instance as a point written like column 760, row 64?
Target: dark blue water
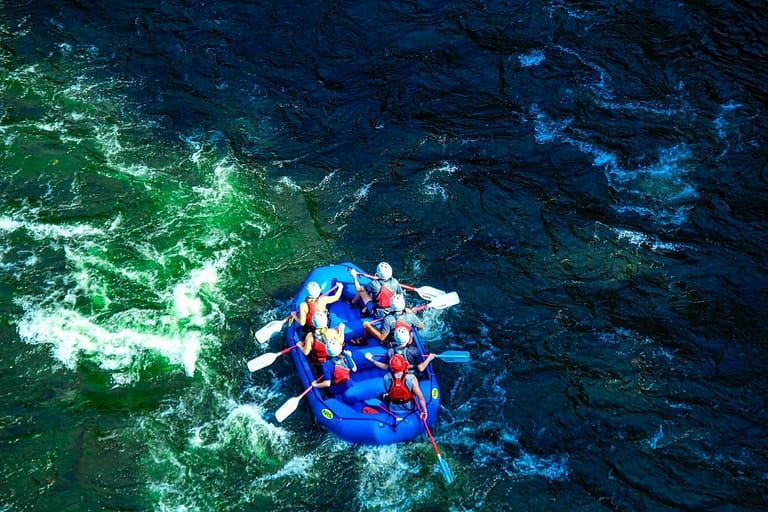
column 590, row 177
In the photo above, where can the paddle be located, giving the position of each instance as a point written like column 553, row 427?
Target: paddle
column 441, row 302
column 291, row 404
column 425, row 292
column 372, row 402
column 449, row 356
column 454, row 356
column 269, row 330
column 444, row 469
column 265, row 360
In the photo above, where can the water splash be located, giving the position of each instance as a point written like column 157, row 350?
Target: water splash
column 532, row 58
column 205, row 434
column 149, row 281
column 433, row 180
column 652, row 242
column 653, row 442
column 385, row 471
column 552, row 468
column 658, row 190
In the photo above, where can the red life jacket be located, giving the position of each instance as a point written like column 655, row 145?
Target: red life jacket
column 384, row 297
column 311, row 307
column 398, row 391
column 319, row 353
column 340, row 372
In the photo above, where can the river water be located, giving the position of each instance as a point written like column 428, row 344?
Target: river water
column 590, row 176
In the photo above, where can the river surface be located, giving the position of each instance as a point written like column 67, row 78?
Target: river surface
column 591, row 177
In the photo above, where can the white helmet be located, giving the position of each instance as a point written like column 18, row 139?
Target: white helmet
column 402, row 336
column 398, row 302
column 333, row 347
column 313, row 290
column 383, row 270
column 320, row 319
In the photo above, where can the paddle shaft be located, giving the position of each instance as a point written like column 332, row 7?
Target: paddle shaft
column 290, row 405
column 377, row 278
column 420, row 307
column 426, row 427
column 309, row 388
column 431, row 437
column 304, row 393
column 267, row 359
column 444, row 469
column 425, row 292
column 450, row 356
column 384, row 408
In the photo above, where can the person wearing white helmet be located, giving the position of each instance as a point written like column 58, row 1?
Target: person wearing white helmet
column 376, row 295
column 402, row 345
column 398, row 316
column 315, row 301
column 315, row 343
column 336, row 369
column 383, row 271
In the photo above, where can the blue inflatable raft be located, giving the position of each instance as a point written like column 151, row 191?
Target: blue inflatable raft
column 363, row 418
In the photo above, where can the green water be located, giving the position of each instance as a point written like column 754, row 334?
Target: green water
column 123, row 254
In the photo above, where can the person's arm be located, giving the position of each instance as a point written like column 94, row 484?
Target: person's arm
column 336, row 296
column 306, row 344
column 377, row 364
column 420, row 396
column 326, row 382
column 303, row 310
column 415, row 320
column 368, row 326
column 423, row 365
column 358, row 288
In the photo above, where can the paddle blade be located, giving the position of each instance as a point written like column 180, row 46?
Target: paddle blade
column 445, row 301
column 454, row 356
column 287, row 408
column 269, row 330
column 262, row 361
column 445, row 470
column 428, row 293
